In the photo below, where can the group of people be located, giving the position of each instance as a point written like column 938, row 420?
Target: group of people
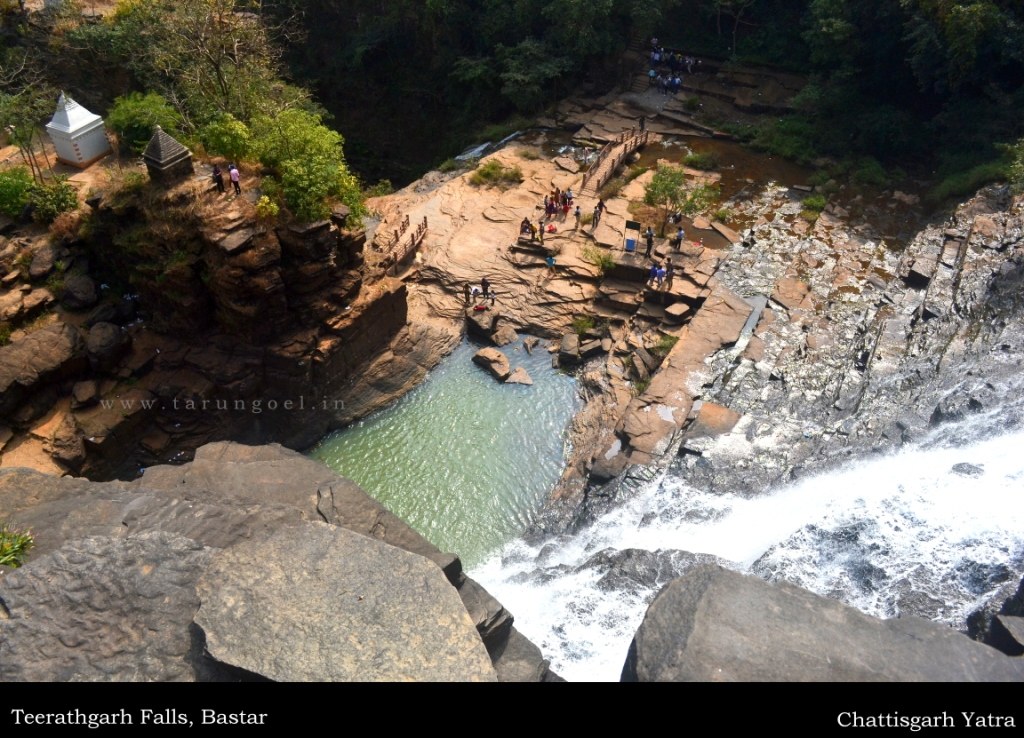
column 668, row 81
column 667, row 84
column 661, row 275
column 483, row 292
column 233, row 175
column 674, row 60
column 558, row 202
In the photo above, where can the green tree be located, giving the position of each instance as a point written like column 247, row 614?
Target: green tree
column 15, row 186
column 670, row 191
column 227, row 136
column 52, row 198
column 308, row 163
column 23, row 110
column 135, row 116
column 530, row 74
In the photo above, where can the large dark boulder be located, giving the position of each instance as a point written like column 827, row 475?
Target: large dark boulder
column 103, row 609
column 48, row 354
column 713, row 624
column 106, row 344
column 312, row 605
column 79, row 292
column 271, row 502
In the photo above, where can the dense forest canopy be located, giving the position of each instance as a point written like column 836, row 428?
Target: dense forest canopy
column 932, row 86
column 898, row 80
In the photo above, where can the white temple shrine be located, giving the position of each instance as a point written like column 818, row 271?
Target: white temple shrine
column 78, row 135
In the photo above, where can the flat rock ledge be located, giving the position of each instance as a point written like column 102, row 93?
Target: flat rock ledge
column 248, row 563
column 315, row 612
column 716, row 625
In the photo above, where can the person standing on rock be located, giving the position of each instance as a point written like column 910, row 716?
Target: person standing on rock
column 485, row 286
column 579, row 216
column 597, row 218
column 670, row 273
column 643, row 123
column 540, row 231
column 218, row 178
column 649, row 236
column 468, row 290
column 235, row 178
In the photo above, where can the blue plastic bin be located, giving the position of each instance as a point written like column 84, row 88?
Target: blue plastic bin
column 630, row 244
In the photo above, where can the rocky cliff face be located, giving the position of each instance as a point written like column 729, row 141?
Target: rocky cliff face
column 250, row 562
column 226, row 328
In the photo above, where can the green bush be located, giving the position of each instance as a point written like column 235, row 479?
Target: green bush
column 664, row 345
column 528, row 154
column 583, row 323
column 228, row 137
column 50, row 200
column 635, row 171
column 15, row 186
column 815, row 203
column 600, row 258
column 134, row 117
column 14, row 545
column 449, row 165
column 383, row 187
column 493, row 172
column 869, row 172
column 308, row 163
column 640, row 386
column 723, row 215
column 612, row 188
column 5, row 333
column 703, row 160
column 966, row 183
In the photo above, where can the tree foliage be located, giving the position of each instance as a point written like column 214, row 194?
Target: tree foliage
column 308, row 164
column 228, row 137
column 135, row 116
column 15, row 186
column 670, row 191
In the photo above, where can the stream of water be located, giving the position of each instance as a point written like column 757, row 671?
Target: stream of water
column 891, row 535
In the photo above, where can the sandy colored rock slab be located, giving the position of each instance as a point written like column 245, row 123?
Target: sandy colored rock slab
column 519, row 375
column 727, row 233
column 567, row 164
column 505, row 335
column 790, row 292
column 493, row 361
column 712, row 420
column 304, row 608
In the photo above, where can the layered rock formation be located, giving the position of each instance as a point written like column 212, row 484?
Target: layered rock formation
column 250, row 562
column 232, row 330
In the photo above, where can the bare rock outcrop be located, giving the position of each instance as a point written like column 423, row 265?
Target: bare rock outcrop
column 96, row 539
column 493, row 361
column 307, row 607
column 713, row 624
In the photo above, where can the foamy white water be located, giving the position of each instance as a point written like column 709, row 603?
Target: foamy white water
column 891, row 535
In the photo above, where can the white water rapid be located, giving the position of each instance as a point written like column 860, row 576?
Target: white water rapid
column 890, row 535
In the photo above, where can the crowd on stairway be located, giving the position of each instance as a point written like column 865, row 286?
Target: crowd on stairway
column 666, row 68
